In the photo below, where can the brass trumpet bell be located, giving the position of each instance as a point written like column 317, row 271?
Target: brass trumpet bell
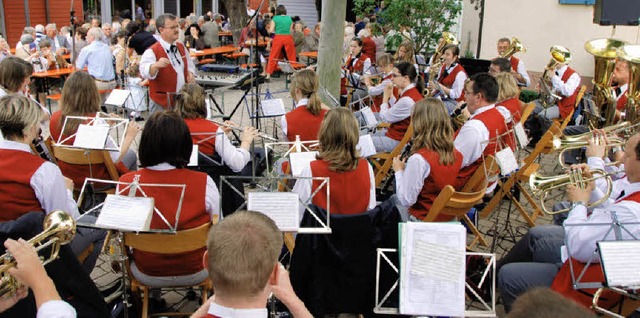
column 515, row 47
column 560, row 54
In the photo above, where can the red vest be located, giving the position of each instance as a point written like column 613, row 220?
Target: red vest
column 369, row 49
column 378, row 99
column 563, row 283
column 351, row 66
column 203, row 133
column 302, row 122
column 451, row 78
column 514, row 105
column 17, row 197
column 167, row 77
column 514, row 63
column 192, row 214
column 621, row 103
column 349, row 191
column 567, row 104
column 494, row 121
column 78, row 173
column 439, row 177
column 396, row 130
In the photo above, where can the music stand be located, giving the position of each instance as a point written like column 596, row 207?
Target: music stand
column 95, row 133
column 118, row 98
column 298, row 146
column 209, row 159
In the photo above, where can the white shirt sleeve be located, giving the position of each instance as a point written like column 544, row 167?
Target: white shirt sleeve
column 378, row 89
column 49, row 186
column 522, row 70
column 212, row 198
column 283, row 126
column 410, row 181
column 56, row 309
column 470, row 141
column 81, row 60
column 148, row 58
column 303, row 189
column 566, row 89
column 400, row 110
column 372, row 188
column 367, row 69
column 234, row 158
column 458, row 85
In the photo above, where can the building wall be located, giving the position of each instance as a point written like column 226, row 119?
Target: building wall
column 15, row 20
column 539, row 25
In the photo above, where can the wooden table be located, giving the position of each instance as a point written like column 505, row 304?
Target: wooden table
column 214, row 51
column 312, row 55
column 41, row 77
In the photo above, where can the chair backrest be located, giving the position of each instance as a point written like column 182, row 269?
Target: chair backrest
column 384, row 169
column 528, row 109
column 566, row 120
column 488, row 168
column 181, row 241
column 86, row 157
column 454, row 203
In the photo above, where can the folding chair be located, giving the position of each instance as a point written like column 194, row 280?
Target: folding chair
column 382, row 162
column 182, row 241
column 76, row 156
column 564, row 122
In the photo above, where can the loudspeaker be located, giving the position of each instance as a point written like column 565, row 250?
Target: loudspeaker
column 616, row 12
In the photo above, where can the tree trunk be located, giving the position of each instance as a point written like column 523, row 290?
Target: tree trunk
column 237, row 11
column 330, row 48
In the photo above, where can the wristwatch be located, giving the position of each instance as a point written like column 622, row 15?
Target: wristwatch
column 574, row 204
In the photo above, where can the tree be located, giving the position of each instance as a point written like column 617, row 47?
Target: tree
column 426, row 19
column 237, row 11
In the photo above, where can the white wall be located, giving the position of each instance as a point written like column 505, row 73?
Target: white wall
column 540, row 24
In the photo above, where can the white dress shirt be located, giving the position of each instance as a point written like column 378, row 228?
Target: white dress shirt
column 522, row 70
column 401, row 108
column 226, row 312
column 409, row 182
column 48, row 184
column 234, row 157
column 379, row 89
column 56, row 309
column 582, row 239
column 474, row 135
column 303, row 188
column 148, row 58
column 458, row 83
column 283, row 119
column 565, row 89
column 601, row 183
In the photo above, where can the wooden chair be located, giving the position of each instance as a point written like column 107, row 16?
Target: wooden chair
column 488, row 168
column 85, row 157
column 528, row 109
column 382, row 162
column 457, row 204
column 564, row 122
column 182, row 241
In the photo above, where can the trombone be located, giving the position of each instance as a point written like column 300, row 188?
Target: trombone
column 542, row 186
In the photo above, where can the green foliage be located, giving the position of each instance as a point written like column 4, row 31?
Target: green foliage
column 363, row 7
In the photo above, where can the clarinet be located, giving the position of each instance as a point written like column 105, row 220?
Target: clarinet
column 41, row 149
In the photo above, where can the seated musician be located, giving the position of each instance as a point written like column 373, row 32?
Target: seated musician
column 478, row 136
column 508, row 95
column 397, row 112
column 621, row 77
column 249, row 271
column 451, row 78
column 406, row 53
column 306, row 118
column 534, row 260
column 434, row 162
column 357, row 64
column 499, row 65
column 564, row 83
column 351, row 180
column 211, row 138
column 80, row 97
column 385, row 65
column 518, row 70
column 166, row 165
column 29, row 183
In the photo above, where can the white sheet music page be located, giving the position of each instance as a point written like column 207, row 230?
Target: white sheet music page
column 365, row 146
column 281, row 207
column 301, row 160
column 126, row 213
column 507, row 161
column 117, row 97
column 432, row 273
column 369, row 117
column 193, row 159
column 521, row 135
column 621, row 262
column 272, row 107
column 91, row 136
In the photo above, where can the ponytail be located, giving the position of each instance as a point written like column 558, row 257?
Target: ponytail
column 314, row 105
column 420, row 83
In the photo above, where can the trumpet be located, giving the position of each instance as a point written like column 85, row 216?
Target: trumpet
column 542, row 186
column 261, row 135
column 59, row 229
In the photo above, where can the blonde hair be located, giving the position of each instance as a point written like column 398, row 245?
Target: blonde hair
column 80, row 97
column 432, row 129
column 385, row 60
column 307, row 82
column 190, row 102
column 338, row 138
column 409, row 56
column 507, row 86
column 18, row 114
column 243, row 250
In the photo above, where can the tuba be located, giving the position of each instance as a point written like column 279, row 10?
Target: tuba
column 559, row 54
column 515, row 47
column 436, row 60
column 59, row 229
column 604, row 51
column 631, row 54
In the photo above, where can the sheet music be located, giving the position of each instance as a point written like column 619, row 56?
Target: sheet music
column 300, row 160
column 365, row 146
column 91, row 136
column 620, row 262
column 193, row 159
column 272, row 107
column 521, row 135
column 368, row 116
column 432, row 275
column 507, row 161
column 118, row 97
column 126, row 213
column 281, row 207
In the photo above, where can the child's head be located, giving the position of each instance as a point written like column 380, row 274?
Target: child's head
column 385, row 63
column 242, row 252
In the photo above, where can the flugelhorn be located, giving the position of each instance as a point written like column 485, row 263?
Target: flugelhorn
column 571, row 143
column 542, row 186
column 515, row 47
column 59, row 229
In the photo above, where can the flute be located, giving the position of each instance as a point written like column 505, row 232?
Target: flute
column 261, row 135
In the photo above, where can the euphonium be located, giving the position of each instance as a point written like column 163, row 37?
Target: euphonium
column 604, row 51
column 559, row 54
column 541, row 186
column 631, row 54
column 436, row 60
column 59, row 229
column 515, row 47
